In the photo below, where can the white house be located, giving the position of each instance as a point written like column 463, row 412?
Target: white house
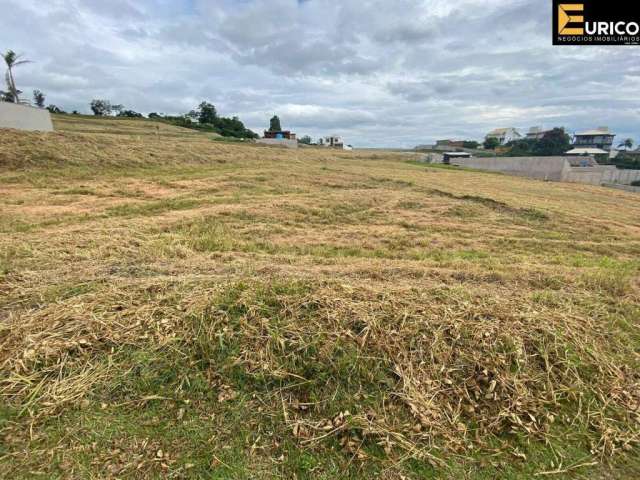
column 504, row 135
column 334, row 141
column 600, row 137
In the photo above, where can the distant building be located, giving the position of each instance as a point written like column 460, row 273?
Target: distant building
column 284, row 134
column 600, row 138
column 332, row 141
column 450, row 143
column 424, row 147
column 504, row 135
column 447, row 156
column 279, row 138
column 537, row 133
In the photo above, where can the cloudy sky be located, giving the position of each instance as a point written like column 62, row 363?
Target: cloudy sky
column 379, row 72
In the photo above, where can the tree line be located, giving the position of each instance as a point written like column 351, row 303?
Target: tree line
column 205, row 118
column 553, row 142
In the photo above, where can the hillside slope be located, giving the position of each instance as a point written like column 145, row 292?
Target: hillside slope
column 179, row 307
column 120, row 126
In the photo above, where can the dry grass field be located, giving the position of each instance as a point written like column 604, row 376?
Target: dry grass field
column 177, row 307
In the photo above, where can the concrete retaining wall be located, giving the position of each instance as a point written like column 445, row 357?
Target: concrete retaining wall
column 24, row 117
column 602, row 174
column 556, row 169
column 544, row 168
column 619, row 186
column 279, row 142
column 589, row 175
column 432, row 158
column 626, row 176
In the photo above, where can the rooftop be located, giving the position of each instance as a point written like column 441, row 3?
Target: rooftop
column 457, row 154
column 500, row 131
column 596, row 131
column 538, row 130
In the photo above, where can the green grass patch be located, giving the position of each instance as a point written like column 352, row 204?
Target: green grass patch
column 153, row 207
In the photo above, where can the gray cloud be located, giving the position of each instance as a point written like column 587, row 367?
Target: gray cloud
column 381, row 73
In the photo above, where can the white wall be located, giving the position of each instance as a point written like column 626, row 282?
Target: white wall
column 590, row 175
column 627, row 176
column 545, row 168
column 432, row 158
column 24, row 117
column 602, row 175
column 279, row 142
column 556, row 169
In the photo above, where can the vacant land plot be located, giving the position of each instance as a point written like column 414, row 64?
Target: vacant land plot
column 172, row 306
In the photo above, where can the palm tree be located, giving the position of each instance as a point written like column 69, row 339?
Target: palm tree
column 12, row 60
column 627, row 144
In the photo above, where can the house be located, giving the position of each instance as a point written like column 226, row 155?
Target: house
column 599, row 137
column 284, row 134
column 279, row 138
column 504, row 135
column 536, row 133
column 450, row 143
column 332, row 141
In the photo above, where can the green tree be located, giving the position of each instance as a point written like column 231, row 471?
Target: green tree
column 233, row 127
column 627, row 144
column 625, row 160
column 207, row 113
column 100, row 108
column 117, row 108
column 305, row 139
column 274, row 124
column 491, row 143
column 12, row 60
column 129, row 114
column 38, row 98
column 553, row 142
column 208, row 121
